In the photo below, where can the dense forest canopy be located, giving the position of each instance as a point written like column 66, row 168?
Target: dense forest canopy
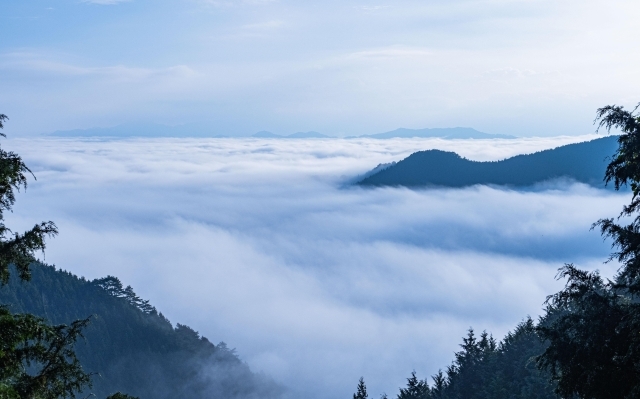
column 129, row 345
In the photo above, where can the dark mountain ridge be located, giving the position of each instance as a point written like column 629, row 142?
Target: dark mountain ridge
column 583, row 162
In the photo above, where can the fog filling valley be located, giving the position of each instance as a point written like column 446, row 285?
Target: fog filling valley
column 264, row 244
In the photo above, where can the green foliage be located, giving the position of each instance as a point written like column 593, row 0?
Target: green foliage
column 624, row 168
column 37, row 360
column 15, row 248
column 113, row 286
column 361, row 393
column 592, row 325
column 593, row 338
column 416, row 389
column 486, row 369
column 119, row 395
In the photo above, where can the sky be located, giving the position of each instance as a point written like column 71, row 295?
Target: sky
column 235, row 67
column 265, row 245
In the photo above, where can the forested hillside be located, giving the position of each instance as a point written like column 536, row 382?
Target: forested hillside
column 583, row 162
column 131, row 346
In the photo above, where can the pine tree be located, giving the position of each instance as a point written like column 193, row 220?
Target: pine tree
column 15, row 248
column 37, row 360
column 592, row 325
column 119, row 395
column 416, row 389
column 439, row 385
column 27, row 343
column 362, row 390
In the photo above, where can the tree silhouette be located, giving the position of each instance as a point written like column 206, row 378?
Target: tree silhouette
column 37, row 360
column 592, row 325
column 416, row 389
column 362, row 390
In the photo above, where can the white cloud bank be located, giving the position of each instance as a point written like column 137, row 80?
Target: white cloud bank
column 259, row 244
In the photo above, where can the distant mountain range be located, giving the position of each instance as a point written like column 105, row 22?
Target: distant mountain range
column 139, row 130
column 298, row 135
column 193, row 130
column 444, row 133
column 583, row 162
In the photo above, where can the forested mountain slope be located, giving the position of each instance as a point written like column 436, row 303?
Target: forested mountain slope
column 132, row 346
column 583, row 162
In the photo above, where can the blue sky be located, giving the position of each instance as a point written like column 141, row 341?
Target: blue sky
column 338, row 67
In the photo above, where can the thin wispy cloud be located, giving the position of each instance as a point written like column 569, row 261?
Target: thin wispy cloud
column 333, row 67
column 43, row 64
column 372, row 8
column 105, row 2
column 393, row 52
column 236, row 3
column 264, row 25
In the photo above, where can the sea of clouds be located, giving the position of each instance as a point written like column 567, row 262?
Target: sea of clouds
column 265, row 245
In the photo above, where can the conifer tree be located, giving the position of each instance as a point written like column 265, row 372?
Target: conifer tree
column 439, row 385
column 362, row 390
column 416, row 389
column 37, row 360
column 592, row 326
column 17, row 249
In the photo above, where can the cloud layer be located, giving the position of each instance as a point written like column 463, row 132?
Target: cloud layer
column 260, row 243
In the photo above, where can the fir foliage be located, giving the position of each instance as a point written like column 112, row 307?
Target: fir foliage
column 17, row 249
column 593, row 325
column 416, row 389
column 37, row 360
column 361, row 393
column 486, row 369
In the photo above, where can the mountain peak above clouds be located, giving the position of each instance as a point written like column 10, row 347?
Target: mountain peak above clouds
column 584, row 162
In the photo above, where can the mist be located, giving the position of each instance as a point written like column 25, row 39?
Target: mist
column 263, row 244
